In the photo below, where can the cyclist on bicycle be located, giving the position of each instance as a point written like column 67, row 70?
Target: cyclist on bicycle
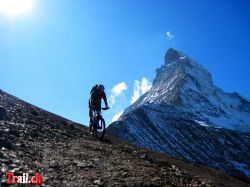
column 96, row 95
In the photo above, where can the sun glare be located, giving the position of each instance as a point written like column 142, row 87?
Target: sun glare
column 15, row 7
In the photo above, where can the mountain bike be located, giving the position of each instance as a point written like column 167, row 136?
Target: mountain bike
column 98, row 127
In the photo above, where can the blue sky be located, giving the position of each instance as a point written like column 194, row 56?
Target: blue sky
column 52, row 55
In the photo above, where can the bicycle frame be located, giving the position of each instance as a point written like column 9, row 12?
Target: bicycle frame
column 97, row 115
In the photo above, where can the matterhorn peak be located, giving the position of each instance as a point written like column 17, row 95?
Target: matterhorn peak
column 172, row 55
column 184, row 83
column 185, row 115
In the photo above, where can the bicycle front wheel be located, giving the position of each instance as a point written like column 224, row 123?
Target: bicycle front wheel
column 100, row 130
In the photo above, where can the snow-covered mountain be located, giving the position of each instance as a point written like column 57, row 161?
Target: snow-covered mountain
column 185, row 115
column 184, row 83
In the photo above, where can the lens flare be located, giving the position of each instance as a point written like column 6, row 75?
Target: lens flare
column 15, row 7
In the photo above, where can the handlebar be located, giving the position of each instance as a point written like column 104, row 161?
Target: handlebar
column 106, row 108
column 94, row 108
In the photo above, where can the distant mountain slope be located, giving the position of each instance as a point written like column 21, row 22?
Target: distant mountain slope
column 186, row 116
column 33, row 140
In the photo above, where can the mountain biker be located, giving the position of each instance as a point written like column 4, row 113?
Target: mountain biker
column 96, row 95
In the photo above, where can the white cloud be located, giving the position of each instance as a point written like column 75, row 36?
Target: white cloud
column 116, row 117
column 116, row 91
column 119, row 88
column 145, row 85
column 140, row 88
column 137, row 90
column 170, row 36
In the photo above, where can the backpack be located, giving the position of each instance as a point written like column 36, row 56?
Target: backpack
column 93, row 89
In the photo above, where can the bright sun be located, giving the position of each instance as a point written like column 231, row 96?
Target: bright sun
column 15, row 7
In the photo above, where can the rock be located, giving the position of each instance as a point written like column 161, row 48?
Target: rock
column 172, row 55
column 98, row 182
column 124, row 174
column 3, row 149
column 143, row 156
column 4, row 168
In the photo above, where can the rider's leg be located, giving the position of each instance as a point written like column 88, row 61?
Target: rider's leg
column 90, row 118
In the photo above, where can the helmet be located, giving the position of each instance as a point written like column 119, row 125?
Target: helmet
column 101, row 87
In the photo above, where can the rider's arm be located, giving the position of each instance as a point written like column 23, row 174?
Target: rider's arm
column 91, row 101
column 105, row 99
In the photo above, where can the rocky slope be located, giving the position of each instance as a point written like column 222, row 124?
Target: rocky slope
column 33, row 140
column 186, row 116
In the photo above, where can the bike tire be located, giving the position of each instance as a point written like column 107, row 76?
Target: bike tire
column 100, row 132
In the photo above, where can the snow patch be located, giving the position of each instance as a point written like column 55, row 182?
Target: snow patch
column 202, row 123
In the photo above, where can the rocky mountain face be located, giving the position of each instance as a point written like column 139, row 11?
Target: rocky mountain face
column 65, row 154
column 186, row 116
